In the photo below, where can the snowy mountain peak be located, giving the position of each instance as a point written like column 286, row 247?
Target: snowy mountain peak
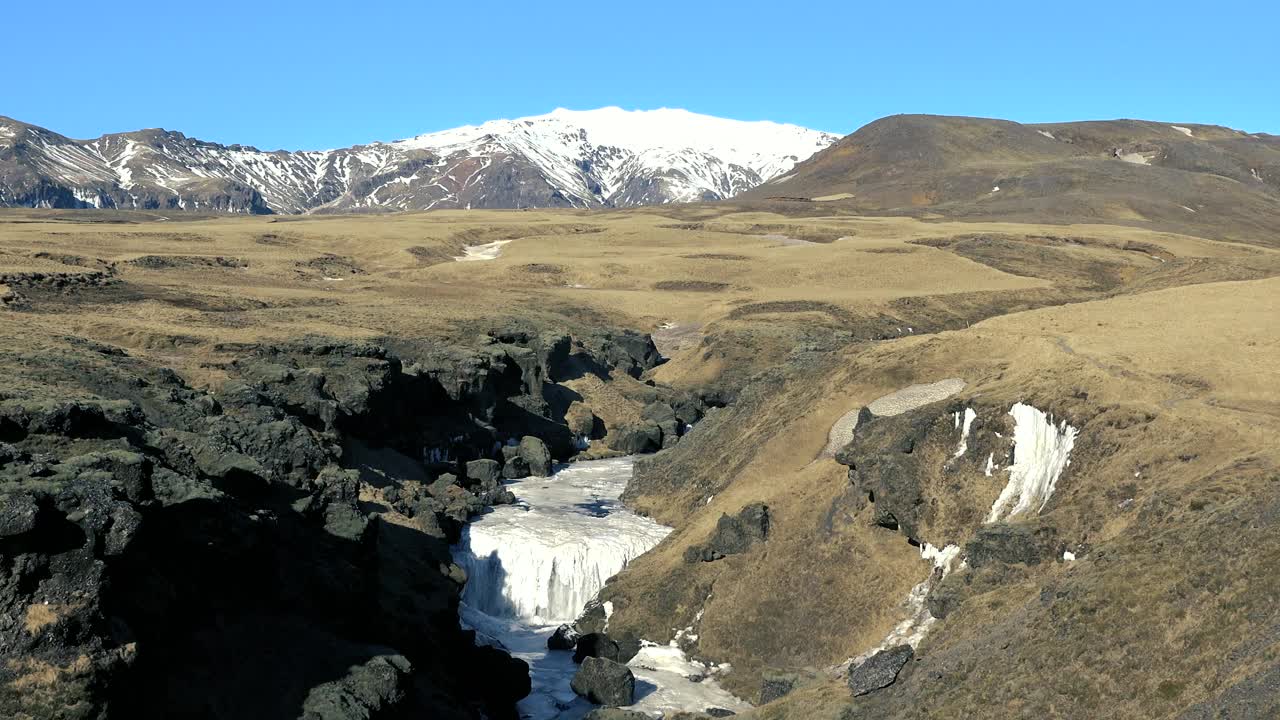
column 608, row 157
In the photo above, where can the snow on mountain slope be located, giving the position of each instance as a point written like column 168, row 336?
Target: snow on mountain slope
column 597, row 158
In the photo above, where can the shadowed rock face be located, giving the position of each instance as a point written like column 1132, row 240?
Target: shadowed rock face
column 880, row 670
column 258, row 553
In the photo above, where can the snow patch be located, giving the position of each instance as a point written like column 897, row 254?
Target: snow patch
column 1184, row 130
column 487, row 251
column 1047, row 134
column 1068, row 556
column 1041, row 451
column 963, row 421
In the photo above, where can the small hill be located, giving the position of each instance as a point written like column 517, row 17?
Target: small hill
column 1176, row 177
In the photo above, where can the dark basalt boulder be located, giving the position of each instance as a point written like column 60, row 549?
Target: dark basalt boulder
column 733, row 534
column 662, row 415
column 626, row 351
column 605, row 682
column 774, row 686
column 879, row 670
column 535, row 455
column 1011, row 543
column 368, row 692
column 18, row 515
column 564, row 638
column 596, row 645
column 636, row 438
column 884, row 467
column 484, row 471
column 514, row 466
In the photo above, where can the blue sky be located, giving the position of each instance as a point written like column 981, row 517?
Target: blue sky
column 319, row 74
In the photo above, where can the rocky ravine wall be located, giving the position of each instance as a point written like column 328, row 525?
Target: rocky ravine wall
column 277, row 549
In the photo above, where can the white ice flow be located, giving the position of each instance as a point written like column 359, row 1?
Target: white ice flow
column 1041, row 451
column 487, row 251
column 533, row 565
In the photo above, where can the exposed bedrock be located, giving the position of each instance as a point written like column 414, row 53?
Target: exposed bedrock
column 278, row 548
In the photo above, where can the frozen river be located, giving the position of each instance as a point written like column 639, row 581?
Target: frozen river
column 533, row 565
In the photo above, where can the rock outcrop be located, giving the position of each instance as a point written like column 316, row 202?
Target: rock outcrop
column 277, row 548
column 879, row 670
column 605, row 682
column 733, row 534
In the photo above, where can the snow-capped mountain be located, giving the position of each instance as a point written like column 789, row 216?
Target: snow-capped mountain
column 596, row 158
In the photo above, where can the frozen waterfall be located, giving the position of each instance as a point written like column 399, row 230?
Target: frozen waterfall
column 1041, row 451
column 533, row 565
column 542, row 559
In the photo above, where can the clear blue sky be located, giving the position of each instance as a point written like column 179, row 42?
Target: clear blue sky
column 319, row 74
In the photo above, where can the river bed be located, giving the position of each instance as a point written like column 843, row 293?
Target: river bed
column 533, row 565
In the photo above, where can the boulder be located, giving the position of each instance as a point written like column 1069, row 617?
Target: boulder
column 733, row 535
column 597, row 645
column 368, row 691
column 774, row 686
column 514, row 466
column 582, row 422
column 17, row 515
column 636, row 438
column 1011, row 543
column 535, row 455
column 605, row 682
column 564, row 638
column 484, row 471
column 879, row 670
column 662, row 415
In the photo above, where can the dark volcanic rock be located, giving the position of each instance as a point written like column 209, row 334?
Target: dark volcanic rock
column 370, row 690
column 880, row 670
column 514, row 466
column 605, row 682
column 1024, row 543
column 535, row 455
column 884, row 467
column 564, row 638
column 596, row 644
column 484, row 471
column 774, row 686
column 733, row 535
column 636, row 438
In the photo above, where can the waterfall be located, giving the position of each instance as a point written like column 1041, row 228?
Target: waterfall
column 541, row 560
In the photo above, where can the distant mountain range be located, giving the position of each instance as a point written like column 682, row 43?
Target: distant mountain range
column 588, row 159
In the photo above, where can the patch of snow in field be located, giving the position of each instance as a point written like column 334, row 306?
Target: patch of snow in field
column 1184, row 207
column 1041, row 451
column 487, row 251
column 1134, row 157
column 914, row 396
column 895, row 403
column 1256, row 176
column 1068, row 556
column 1047, row 134
column 1184, row 130
column 991, row 464
column 995, row 189
column 963, row 421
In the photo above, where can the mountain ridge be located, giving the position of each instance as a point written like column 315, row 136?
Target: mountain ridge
column 596, row 158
